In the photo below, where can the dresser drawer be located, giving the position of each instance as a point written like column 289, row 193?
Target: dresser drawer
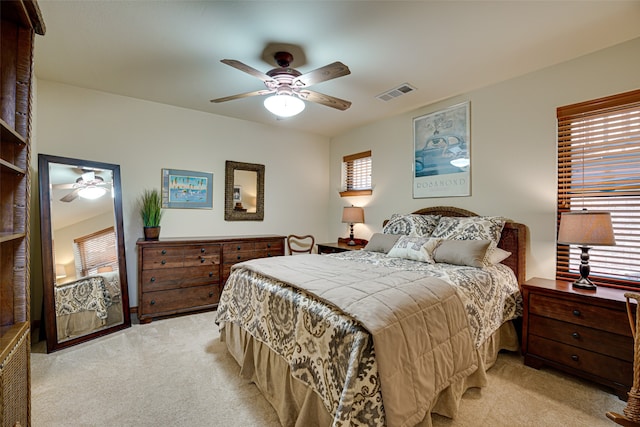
column 239, row 256
column 201, row 255
column 162, row 279
column 582, row 314
column 176, row 300
column 270, row 246
column 618, row 346
column 583, row 360
column 238, row 247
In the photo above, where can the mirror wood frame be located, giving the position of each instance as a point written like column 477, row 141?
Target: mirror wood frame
column 230, row 214
column 48, row 270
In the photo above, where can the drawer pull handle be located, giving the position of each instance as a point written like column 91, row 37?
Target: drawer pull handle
column 202, row 259
column 268, row 245
column 153, row 279
column 210, row 294
column 211, row 274
column 163, row 262
column 575, row 335
column 268, row 255
column 238, row 248
column 153, row 302
column 575, row 357
column 239, row 257
column 164, row 252
column 201, row 250
column 576, row 312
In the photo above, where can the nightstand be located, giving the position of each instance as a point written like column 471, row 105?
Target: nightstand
column 335, row 247
column 584, row 333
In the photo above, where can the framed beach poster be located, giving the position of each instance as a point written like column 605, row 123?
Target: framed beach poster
column 441, row 145
column 187, row 189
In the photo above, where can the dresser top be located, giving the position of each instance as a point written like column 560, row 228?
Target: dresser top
column 209, row 239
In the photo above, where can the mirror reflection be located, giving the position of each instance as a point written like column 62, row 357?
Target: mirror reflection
column 85, row 289
column 244, row 192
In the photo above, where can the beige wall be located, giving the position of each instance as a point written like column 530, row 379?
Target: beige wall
column 144, row 137
column 513, row 149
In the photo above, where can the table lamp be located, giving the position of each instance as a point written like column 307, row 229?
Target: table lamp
column 352, row 215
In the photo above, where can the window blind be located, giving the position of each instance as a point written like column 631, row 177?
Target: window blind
column 357, row 174
column 599, row 169
column 97, row 250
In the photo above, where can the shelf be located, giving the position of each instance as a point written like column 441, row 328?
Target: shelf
column 10, row 166
column 9, row 134
column 7, row 237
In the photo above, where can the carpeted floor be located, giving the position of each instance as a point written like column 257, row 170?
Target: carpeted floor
column 175, row 372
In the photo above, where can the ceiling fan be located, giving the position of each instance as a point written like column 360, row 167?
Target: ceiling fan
column 88, row 186
column 290, row 84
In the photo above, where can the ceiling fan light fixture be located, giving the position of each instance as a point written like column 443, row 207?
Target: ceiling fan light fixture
column 92, row 192
column 284, row 105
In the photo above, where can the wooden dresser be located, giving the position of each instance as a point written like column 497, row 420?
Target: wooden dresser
column 584, row 333
column 179, row 275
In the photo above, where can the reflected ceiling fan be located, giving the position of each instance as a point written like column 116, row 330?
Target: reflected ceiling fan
column 289, row 86
column 88, row 186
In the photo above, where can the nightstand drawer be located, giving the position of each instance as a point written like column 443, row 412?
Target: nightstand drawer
column 583, row 360
column 614, row 345
column 583, row 314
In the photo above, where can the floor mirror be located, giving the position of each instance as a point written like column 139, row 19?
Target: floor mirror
column 83, row 256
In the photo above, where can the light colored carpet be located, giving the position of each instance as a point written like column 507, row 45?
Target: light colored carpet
column 175, row 372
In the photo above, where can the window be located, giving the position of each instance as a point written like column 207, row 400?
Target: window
column 599, row 169
column 95, row 252
column 356, row 174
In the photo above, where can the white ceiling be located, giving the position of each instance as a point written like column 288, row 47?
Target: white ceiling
column 170, row 51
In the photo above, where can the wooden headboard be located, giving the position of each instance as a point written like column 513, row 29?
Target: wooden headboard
column 513, row 239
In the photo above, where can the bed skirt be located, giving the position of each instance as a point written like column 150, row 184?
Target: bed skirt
column 85, row 322
column 298, row 405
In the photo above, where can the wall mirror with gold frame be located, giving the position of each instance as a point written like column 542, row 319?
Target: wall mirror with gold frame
column 244, row 191
column 83, row 257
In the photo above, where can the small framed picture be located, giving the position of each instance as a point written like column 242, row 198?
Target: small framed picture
column 187, row 189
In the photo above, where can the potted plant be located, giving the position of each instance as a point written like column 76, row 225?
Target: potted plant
column 151, row 211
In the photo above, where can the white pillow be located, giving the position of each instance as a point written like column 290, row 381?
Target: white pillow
column 381, row 242
column 497, row 255
column 415, row 248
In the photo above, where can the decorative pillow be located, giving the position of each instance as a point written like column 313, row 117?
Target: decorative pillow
column 496, row 255
column 381, row 242
column 470, row 228
column 416, row 248
column 462, row 252
column 411, row 224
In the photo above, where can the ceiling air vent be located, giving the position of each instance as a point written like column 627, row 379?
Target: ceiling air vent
column 403, row 89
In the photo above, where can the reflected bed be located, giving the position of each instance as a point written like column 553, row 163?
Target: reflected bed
column 88, row 304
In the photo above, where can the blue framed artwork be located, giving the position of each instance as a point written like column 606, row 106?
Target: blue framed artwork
column 187, row 189
column 442, row 153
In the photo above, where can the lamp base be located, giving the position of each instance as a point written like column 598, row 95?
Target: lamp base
column 584, row 283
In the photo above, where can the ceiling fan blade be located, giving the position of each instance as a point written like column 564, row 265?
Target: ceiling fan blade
column 243, row 95
column 64, row 186
column 321, row 98
column 322, row 74
column 247, row 69
column 71, row 196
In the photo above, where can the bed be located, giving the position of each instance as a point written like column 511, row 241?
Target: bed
column 88, row 304
column 383, row 336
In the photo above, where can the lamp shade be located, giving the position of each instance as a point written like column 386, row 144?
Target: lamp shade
column 353, row 215
column 284, row 105
column 586, row 228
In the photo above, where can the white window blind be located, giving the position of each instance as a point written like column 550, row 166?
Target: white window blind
column 96, row 250
column 599, row 169
column 356, row 174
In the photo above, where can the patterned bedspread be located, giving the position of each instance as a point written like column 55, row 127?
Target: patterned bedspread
column 91, row 293
column 333, row 353
column 491, row 296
